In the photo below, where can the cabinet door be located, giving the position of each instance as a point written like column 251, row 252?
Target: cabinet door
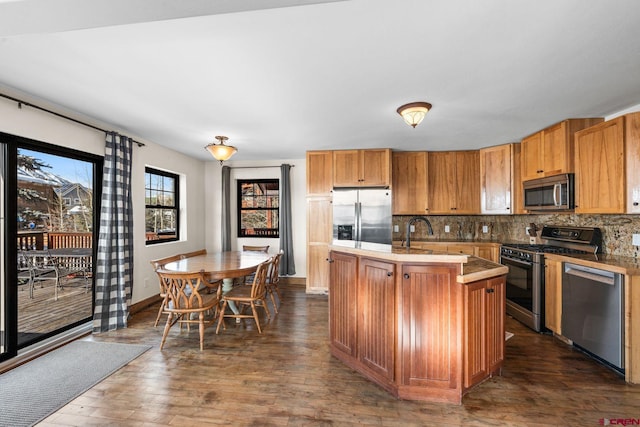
column 467, row 183
column 346, row 171
column 319, row 236
column 409, row 183
column 496, row 177
column 343, row 303
column 531, row 157
column 553, row 295
column 376, row 316
column 632, row 152
column 496, row 302
column 556, row 150
column 488, row 251
column 600, row 184
column 430, row 328
column 441, row 173
column 475, row 342
column 319, row 172
column 461, row 249
column 375, row 168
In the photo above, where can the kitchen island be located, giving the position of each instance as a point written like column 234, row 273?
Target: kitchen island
column 423, row 325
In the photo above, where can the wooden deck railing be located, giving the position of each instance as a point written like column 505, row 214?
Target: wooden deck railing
column 28, row 240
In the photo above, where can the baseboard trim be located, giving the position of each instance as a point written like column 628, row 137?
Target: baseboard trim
column 141, row 305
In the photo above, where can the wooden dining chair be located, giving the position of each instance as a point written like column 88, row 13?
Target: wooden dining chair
column 188, row 300
column 158, row 264
column 194, row 253
column 249, row 248
column 248, row 296
column 273, row 279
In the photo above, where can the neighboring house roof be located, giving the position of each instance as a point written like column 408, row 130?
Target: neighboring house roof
column 41, row 177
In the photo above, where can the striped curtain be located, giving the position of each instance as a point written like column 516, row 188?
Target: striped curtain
column 226, row 208
column 114, row 264
column 287, row 263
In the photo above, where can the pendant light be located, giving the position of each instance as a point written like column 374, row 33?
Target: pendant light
column 220, row 151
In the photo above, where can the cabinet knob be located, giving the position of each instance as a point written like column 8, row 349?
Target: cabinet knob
column 406, row 275
column 389, row 273
column 329, row 260
column 635, row 203
column 490, row 290
column 508, row 208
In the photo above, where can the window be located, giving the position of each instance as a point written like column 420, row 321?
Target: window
column 161, row 206
column 258, row 207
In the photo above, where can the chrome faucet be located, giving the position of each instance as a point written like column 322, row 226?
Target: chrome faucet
column 413, row 221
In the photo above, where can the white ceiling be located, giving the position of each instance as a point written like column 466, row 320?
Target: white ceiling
column 279, row 77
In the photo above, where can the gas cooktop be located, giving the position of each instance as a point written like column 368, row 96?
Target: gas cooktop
column 562, row 240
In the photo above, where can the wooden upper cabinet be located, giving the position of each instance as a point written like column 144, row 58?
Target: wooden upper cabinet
column 319, row 172
column 409, row 176
column 495, row 173
column 500, row 179
column 362, row 168
column 454, row 182
column 551, row 151
column 632, row 159
column 600, row 173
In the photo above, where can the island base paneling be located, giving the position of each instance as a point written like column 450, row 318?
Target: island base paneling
column 412, row 328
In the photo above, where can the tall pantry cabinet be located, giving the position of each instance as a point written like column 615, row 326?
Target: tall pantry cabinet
column 319, row 218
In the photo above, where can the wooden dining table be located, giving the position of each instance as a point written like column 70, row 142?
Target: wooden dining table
column 223, row 266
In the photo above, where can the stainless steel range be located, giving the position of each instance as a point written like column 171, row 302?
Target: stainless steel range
column 525, row 280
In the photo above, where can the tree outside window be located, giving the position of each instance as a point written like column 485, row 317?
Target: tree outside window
column 161, row 206
column 258, row 208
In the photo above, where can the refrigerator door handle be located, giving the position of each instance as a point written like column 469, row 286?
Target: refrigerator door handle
column 358, row 221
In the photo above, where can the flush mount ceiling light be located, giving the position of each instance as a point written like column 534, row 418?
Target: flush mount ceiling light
column 414, row 112
column 220, row 151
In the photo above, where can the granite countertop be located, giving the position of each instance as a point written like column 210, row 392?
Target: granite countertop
column 472, row 268
column 614, row 263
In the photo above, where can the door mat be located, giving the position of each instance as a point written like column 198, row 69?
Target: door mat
column 33, row 391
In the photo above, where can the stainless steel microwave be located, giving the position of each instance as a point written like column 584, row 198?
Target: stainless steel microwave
column 553, row 193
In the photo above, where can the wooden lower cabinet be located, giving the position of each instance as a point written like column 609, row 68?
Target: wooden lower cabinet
column 342, row 295
column 553, row 295
column 376, row 317
column 484, row 303
column 412, row 328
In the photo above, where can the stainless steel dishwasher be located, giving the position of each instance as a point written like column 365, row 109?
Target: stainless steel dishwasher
column 593, row 312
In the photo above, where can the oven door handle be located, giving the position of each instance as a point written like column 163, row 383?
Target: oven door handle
column 517, row 261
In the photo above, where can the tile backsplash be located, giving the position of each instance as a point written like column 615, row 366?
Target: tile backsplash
column 616, row 229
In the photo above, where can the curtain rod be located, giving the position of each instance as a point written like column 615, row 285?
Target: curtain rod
column 256, row 167
column 28, row 104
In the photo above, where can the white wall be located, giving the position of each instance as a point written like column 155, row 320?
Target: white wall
column 42, row 126
column 257, row 170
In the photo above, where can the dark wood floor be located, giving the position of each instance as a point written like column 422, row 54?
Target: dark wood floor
column 286, row 377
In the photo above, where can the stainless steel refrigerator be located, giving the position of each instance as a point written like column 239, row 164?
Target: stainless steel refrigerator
column 362, row 215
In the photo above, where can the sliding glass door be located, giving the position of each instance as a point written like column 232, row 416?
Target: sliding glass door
column 52, row 194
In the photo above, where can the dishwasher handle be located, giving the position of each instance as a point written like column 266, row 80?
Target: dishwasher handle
column 599, row 276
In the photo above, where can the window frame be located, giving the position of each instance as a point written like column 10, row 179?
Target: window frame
column 240, row 209
column 176, row 204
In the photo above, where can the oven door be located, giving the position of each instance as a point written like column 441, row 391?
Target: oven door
column 524, row 292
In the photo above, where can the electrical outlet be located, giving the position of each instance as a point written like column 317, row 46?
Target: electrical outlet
column 447, row 229
column 485, row 228
column 526, row 230
column 396, row 228
column 413, row 228
column 635, row 239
